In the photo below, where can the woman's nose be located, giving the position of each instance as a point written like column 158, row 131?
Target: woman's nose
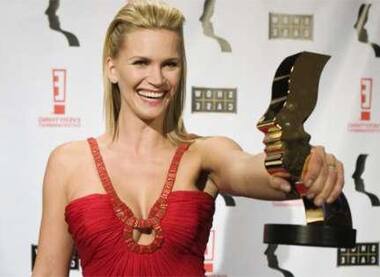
column 156, row 78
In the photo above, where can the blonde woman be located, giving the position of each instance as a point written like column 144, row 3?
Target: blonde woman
column 139, row 199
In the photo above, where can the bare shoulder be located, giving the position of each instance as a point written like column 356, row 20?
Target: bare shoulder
column 215, row 143
column 66, row 157
column 214, row 151
column 218, row 155
column 69, row 152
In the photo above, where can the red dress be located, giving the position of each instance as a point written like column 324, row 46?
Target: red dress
column 102, row 225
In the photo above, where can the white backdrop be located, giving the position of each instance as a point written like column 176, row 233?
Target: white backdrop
column 31, row 53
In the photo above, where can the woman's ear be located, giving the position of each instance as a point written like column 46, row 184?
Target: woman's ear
column 111, row 70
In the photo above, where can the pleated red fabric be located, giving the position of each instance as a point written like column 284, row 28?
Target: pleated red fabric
column 102, row 225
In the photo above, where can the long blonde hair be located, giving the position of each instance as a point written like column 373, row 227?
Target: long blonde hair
column 146, row 14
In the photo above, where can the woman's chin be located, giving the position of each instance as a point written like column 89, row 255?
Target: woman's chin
column 151, row 116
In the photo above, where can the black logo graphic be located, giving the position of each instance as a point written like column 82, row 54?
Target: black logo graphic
column 208, row 28
column 74, row 263
column 273, row 261
column 54, row 23
column 214, row 100
column 359, row 182
column 362, row 32
column 362, row 254
column 228, row 200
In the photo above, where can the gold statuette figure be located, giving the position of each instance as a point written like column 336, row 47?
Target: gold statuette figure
column 294, row 95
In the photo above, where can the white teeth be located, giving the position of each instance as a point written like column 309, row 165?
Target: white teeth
column 150, row 94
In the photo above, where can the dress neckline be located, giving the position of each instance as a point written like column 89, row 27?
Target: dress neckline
column 125, row 214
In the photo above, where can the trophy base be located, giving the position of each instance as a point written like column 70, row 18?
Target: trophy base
column 310, row 235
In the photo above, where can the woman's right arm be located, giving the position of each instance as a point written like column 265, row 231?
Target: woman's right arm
column 55, row 243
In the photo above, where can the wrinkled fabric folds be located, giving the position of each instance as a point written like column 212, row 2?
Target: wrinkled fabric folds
column 98, row 236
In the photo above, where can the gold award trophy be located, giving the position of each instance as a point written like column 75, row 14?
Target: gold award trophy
column 294, row 95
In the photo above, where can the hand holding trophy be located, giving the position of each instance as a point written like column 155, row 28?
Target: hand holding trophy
column 294, row 95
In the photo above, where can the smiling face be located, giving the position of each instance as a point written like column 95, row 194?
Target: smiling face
column 147, row 70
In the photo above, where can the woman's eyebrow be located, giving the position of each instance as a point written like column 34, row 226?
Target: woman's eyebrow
column 174, row 58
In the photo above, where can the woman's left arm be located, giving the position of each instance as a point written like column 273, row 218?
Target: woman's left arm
column 239, row 173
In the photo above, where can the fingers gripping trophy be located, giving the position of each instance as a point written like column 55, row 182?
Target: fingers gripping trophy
column 294, row 95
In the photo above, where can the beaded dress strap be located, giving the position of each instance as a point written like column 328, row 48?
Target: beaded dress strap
column 172, row 173
column 100, row 167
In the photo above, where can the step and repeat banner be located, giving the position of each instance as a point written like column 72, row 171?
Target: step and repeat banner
column 51, row 93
